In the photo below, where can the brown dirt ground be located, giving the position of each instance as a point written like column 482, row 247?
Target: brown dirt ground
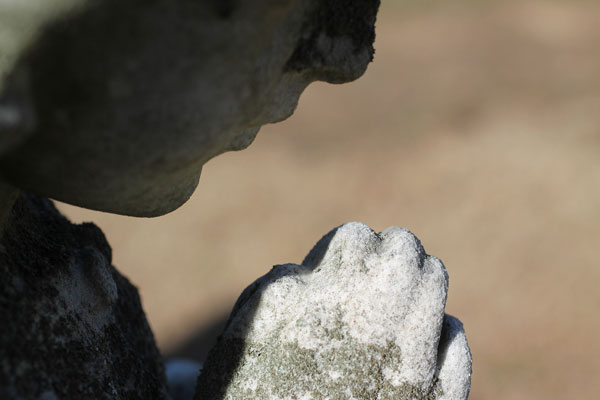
column 478, row 128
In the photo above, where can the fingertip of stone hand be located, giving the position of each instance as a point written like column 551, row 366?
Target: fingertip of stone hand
column 454, row 360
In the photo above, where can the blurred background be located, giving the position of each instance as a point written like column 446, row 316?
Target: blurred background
column 478, row 128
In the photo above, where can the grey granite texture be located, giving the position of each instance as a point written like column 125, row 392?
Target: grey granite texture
column 72, row 327
column 361, row 318
column 122, row 101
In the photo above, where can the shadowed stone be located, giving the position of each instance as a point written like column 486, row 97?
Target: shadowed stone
column 123, row 101
column 72, row 327
column 361, row 318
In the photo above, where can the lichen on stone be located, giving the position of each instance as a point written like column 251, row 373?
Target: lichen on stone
column 72, row 326
column 361, row 318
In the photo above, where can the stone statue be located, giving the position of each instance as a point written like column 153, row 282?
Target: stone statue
column 115, row 105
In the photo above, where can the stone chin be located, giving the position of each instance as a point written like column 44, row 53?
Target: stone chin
column 140, row 187
column 147, row 197
column 153, row 201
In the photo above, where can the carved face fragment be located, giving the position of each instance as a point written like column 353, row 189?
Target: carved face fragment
column 124, row 101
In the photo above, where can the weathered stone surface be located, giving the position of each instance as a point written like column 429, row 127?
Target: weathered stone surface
column 8, row 196
column 123, row 101
column 361, row 318
column 71, row 327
